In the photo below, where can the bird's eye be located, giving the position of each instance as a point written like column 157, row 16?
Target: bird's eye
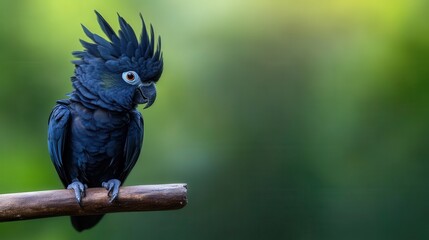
column 130, row 77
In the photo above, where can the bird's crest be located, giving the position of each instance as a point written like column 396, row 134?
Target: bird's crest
column 123, row 50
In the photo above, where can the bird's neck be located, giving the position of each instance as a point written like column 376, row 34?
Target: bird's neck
column 99, row 118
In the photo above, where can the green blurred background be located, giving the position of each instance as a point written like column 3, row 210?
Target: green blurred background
column 288, row 119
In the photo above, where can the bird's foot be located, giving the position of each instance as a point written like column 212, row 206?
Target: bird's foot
column 113, row 187
column 79, row 190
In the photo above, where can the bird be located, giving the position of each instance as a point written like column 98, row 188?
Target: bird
column 95, row 135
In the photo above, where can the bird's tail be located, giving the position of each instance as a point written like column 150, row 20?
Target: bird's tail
column 85, row 222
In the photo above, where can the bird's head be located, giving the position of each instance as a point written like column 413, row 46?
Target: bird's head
column 120, row 73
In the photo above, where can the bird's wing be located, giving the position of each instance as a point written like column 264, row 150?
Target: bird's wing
column 58, row 127
column 133, row 143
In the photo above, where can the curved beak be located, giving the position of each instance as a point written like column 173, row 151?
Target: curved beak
column 147, row 94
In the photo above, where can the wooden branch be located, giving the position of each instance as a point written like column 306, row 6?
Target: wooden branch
column 30, row 205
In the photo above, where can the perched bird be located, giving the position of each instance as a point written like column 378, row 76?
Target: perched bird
column 95, row 136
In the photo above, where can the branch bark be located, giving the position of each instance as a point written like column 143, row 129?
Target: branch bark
column 30, row 205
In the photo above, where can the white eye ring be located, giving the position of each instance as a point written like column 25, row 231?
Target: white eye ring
column 130, row 77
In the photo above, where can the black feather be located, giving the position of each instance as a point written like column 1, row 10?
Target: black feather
column 152, row 41
column 87, row 32
column 107, row 29
column 158, row 49
column 90, row 47
column 124, row 44
column 128, row 31
column 144, row 38
column 106, row 53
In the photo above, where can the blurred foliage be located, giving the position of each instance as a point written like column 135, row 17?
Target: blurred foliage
column 288, row 119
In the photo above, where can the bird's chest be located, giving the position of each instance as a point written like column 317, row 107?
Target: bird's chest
column 97, row 136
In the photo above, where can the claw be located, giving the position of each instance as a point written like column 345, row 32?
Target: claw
column 112, row 187
column 79, row 190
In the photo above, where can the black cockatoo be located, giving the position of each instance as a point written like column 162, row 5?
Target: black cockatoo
column 95, row 136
